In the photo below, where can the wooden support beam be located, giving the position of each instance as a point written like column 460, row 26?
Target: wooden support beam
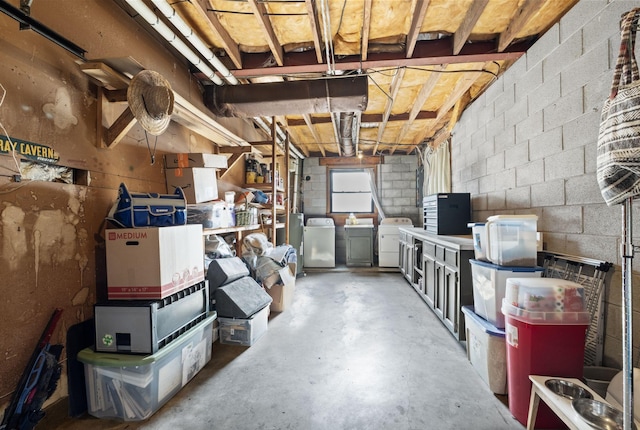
column 469, row 21
column 203, row 7
column 416, row 22
column 396, row 83
column 366, row 26
column 350, row 161
column 315, row 28
column 260, row 12
column 120, row 128
column 526, row 10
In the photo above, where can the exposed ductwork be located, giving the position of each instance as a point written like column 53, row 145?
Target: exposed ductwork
column 345, row 94
column 346, row 134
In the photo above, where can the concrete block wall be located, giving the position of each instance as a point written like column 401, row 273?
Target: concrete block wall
column 397, row 192
column 528, row 145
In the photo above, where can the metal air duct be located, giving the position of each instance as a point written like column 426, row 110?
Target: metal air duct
column 345, row 94
column 346, row 134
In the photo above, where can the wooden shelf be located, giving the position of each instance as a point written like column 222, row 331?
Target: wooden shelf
column 262, row 187
column 236, row 229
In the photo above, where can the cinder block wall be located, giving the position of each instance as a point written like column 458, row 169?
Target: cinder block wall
column 397, row 192
column 528, row 145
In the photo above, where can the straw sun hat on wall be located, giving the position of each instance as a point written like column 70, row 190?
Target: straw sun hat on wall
column 150, row 99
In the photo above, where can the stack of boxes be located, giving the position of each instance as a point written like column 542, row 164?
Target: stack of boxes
column 505, row 247
column 195, row 173
column 154, row 333
column 241, row 303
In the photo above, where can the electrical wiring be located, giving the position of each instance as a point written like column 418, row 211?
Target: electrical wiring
column 4, row 130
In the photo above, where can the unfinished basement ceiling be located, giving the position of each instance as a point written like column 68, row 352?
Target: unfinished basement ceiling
column 425, row 61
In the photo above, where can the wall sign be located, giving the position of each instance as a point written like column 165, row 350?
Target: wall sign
column 29, row 150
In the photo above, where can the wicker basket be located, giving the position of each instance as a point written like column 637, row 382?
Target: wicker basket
column 243, row 218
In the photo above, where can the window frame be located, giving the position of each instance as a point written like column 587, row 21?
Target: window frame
column 330, row 170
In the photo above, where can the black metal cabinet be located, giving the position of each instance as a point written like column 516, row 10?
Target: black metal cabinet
column 447, row 213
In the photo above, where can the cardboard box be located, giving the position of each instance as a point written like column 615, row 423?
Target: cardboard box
column 172, row 161
column 282, row 292
column 198, row 183
column 155, row 262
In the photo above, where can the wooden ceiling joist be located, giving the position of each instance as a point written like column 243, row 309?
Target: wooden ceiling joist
column 469, row 21
column 315, row 28
column 416, row 22
column 396, row 83
column 420, row 100
column 365, row 117
column 366, row 25
column 260, row 11
column 203, row 7
column 522, row 15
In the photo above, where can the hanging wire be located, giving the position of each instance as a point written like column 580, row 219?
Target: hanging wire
column 155, row 144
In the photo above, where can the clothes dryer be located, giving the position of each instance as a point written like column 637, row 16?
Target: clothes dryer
column 388, row 240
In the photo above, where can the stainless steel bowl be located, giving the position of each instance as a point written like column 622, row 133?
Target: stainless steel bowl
column 568, row 389
column 599, row 415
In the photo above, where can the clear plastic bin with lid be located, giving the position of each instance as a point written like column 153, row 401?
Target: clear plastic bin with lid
column 511, row 240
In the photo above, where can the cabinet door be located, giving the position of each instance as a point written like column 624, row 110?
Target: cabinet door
column 401, row 257
column 439, row 301
column 452, row 299
column 409, row 263
column 359, row 250
column 430, row 280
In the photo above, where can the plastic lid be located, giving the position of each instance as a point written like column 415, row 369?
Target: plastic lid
column 522, row 269
column 485, row 325
column 110, row 359
column 510, row 217
column 556, row 318
column 542, row 283
column 475, row 224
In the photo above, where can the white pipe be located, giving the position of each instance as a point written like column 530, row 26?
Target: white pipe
column 162, row 29
column 193, row 38
column 263, row 125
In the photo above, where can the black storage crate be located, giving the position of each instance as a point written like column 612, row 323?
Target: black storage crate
column 447, row 213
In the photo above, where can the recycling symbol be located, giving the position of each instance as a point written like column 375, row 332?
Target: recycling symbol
column 107, row 339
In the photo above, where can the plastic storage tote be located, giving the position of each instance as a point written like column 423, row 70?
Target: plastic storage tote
column 489, row 287
column 244, row 331
column 486, row 350
column 134, row 387
column 511, row 240
column 541, row 343
column 479, row 235
column 545, row 295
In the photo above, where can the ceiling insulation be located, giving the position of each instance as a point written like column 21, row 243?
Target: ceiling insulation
column 421, row 58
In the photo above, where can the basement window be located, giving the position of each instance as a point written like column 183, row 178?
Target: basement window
column 350, row 191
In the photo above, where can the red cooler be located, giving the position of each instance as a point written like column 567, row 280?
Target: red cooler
column 545, row 329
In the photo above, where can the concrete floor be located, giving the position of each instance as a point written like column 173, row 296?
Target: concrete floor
column 358, row 349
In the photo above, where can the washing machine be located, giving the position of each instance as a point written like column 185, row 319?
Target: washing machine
column 388, row 243
column 319, row 238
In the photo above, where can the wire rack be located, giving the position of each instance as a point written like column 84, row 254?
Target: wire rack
column 591, row 275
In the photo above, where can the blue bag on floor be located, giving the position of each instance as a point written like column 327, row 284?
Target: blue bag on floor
column 133, row 210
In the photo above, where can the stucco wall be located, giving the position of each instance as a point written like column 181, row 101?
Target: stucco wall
column 528, row 145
